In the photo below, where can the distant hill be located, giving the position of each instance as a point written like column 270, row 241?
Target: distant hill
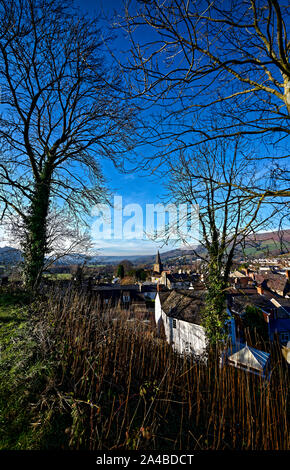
column 267, row 244
column 258, row 245
column 10, row 256
column 271, row 236
column 135, row 259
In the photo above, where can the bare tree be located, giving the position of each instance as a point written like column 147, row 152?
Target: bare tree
column 65, row 237
column 210, row 179
column 63, row 112
column 200, row 59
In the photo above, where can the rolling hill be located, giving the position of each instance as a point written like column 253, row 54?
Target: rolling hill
column 258, row 245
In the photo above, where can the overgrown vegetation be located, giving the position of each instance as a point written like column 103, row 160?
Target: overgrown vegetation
column 72, row 378
column 254, row 321
column 215, row 316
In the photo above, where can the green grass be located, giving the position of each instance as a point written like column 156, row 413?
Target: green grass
column 96, row 265
column 24, row 372
column 58, row 276
column 13, row 305
column 25, row 375
column 262, row 248
column 14, row 352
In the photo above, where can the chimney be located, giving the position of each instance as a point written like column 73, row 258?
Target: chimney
column 251, row 275
column 260, row 289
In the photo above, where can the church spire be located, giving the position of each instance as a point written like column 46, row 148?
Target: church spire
column 158, row 268
column 158, row 260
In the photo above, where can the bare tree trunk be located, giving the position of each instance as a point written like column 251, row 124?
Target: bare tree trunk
column 287, row 92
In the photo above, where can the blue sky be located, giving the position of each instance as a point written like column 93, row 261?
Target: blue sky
column 134, row 187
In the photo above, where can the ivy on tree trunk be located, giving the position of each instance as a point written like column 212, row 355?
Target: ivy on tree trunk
column 35, row 245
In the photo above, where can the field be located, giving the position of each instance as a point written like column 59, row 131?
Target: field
column 58, row 276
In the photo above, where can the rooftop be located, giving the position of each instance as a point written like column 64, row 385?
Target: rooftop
column 183, row 304
column 239, row 299
column 248, row 357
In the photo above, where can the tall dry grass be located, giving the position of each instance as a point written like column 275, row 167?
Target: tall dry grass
column 119, row 386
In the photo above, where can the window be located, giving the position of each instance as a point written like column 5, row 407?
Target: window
column 174, row 323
